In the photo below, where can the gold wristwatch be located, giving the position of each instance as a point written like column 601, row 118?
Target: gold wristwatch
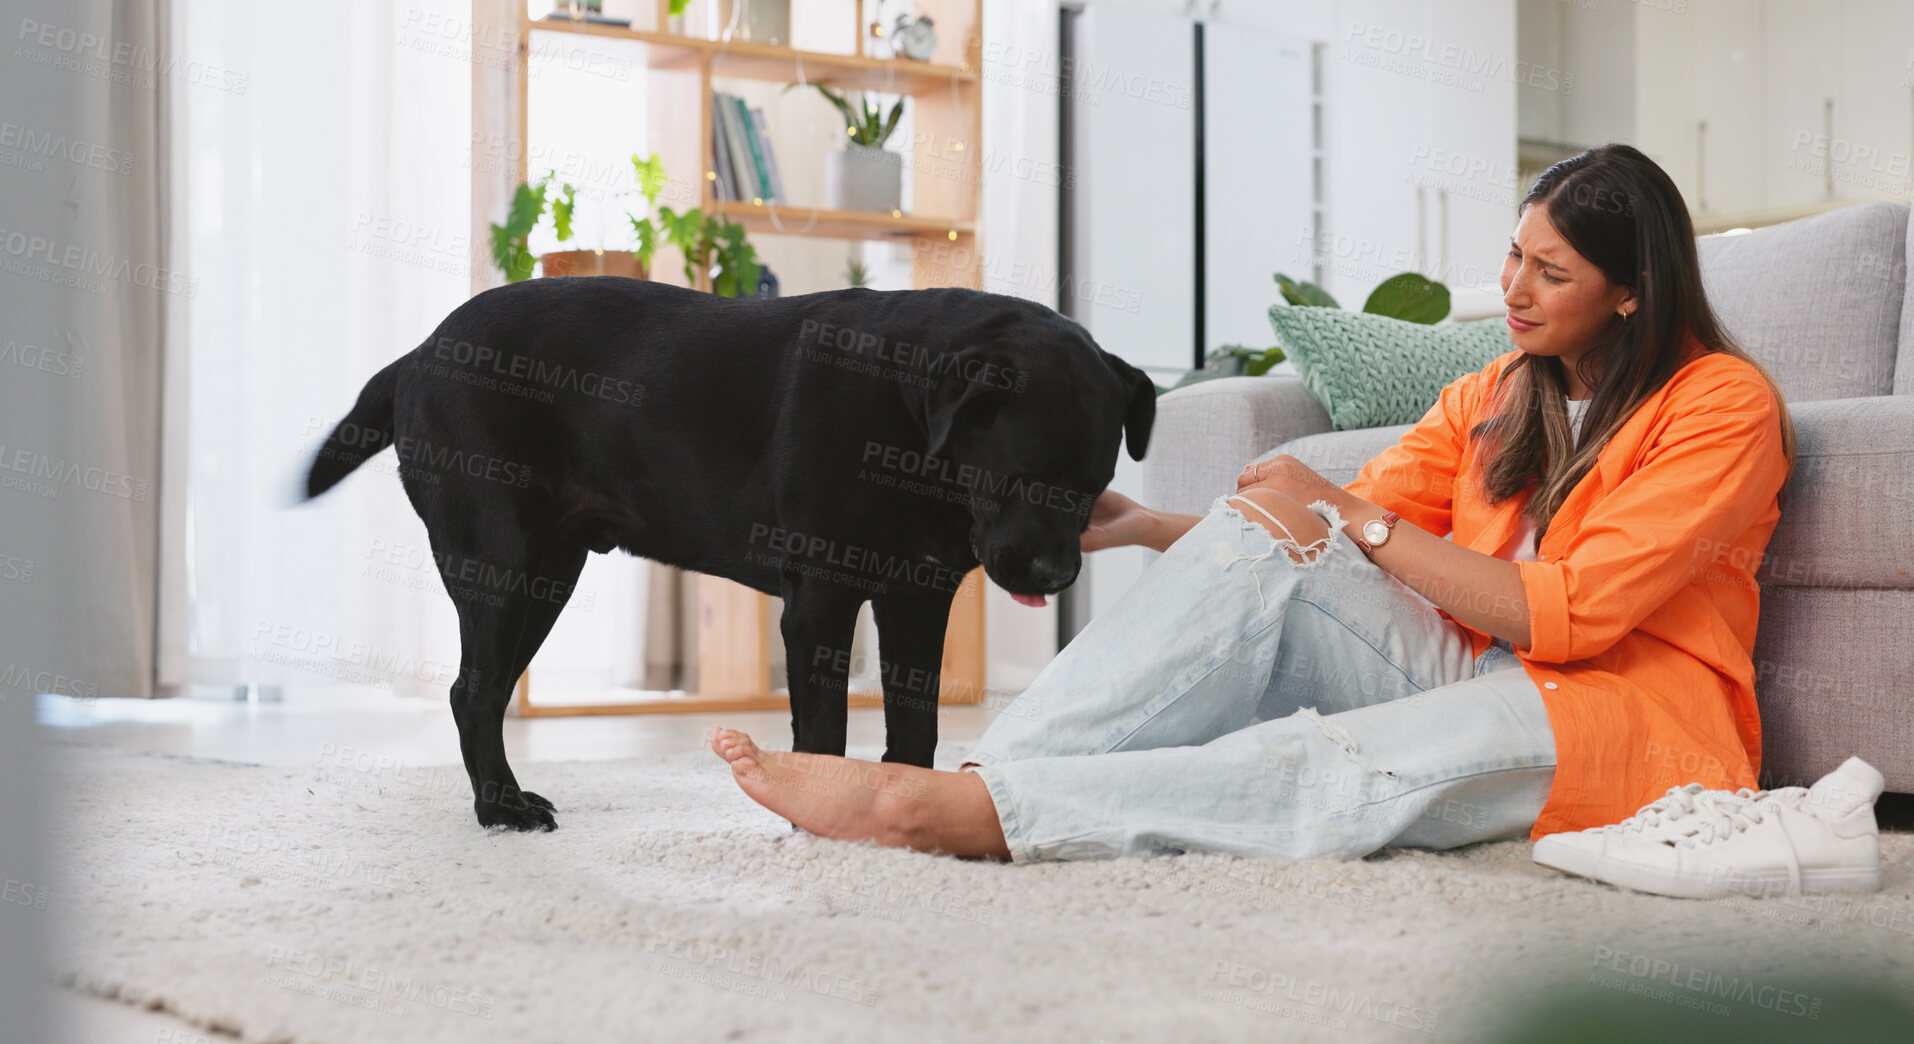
column 1375, row 532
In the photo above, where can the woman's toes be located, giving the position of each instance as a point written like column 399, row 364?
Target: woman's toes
column 730, row 744
column 741, row 746
column 747, row 767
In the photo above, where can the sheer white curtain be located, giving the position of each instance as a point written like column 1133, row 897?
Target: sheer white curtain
column 325, row 215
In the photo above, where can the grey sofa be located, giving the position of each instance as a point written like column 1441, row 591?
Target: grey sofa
column 1824, row 303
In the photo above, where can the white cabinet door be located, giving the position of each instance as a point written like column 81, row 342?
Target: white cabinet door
column 1666, row 115
column 1471, row 192
column 1258, row 191
column 1378, row 142
column 1873, row 142
column 1800, row 57
column 1729, row 170
column 1134, row 106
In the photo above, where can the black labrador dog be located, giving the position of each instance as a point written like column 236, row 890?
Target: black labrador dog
column 832, row 448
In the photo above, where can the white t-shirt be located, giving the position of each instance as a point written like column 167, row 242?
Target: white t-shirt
column 1521, row 546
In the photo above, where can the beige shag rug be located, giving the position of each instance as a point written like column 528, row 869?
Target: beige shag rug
column 356, row 902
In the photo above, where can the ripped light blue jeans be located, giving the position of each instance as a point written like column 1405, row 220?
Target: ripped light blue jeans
column 1237, row 701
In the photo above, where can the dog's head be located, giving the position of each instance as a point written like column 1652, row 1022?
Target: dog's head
column 1030, row 425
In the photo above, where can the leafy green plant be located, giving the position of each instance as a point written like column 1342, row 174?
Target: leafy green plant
column 1304, row 294
column 867, row 124
column 1231, row 360
column 511, row 251
column 856, row 274
column 700, row 236
column 1411, row 297
column 650, row 174
column 1406, row 296
column 704, row 238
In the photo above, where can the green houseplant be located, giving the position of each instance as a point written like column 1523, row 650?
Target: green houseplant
column 1405, row 296
column 706, row 240
column 863, row 175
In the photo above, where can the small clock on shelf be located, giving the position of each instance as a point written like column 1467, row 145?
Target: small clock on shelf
column 913, row 39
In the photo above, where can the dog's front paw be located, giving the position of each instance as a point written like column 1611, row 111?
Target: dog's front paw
column 514, row 809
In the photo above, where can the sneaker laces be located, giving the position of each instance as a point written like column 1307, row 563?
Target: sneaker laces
column 1677, row 804
column 1730, row 815
column 1724, row 815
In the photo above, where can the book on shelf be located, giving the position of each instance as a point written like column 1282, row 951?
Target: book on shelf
column 772, row 181
column 741, row 151
column 754, row 162
column 743, row 180
column 725, row 187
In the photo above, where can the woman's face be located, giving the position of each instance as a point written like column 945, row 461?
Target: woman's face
column 1559, row 303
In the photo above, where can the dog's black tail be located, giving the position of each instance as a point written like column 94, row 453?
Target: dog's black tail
column 364, row 431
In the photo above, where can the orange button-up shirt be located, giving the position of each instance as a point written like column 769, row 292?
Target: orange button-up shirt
column 1642, row 601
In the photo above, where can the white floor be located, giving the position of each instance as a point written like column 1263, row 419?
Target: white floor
column 410, row 732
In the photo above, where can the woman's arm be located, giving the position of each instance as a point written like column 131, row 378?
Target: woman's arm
column 1480, row 591
column 1118, row 521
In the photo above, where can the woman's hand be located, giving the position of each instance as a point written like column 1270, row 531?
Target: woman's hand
column 1288, row 475
column 1116, row 521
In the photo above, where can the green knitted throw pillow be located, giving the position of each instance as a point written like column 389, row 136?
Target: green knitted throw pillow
column 1369, row 371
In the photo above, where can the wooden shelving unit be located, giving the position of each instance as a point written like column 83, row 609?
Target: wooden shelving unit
column 679, row 69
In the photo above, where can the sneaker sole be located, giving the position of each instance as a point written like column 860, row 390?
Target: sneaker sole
column 1775, row 882
column 1565, row 857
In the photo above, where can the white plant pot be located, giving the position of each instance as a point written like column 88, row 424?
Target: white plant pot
column 864, row 177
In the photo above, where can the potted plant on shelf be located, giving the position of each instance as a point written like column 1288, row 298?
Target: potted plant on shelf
column 706, row 240
column 863, row 175
column 511, row 247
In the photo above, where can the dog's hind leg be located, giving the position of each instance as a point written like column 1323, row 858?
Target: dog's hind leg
column 818, row 622
column 504, row 615
column 910, row 644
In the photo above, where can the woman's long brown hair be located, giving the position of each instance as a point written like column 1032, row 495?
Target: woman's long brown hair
column 1621, row 211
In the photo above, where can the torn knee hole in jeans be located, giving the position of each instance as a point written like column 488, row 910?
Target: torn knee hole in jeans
column 1341, row 738
column 1303, row 556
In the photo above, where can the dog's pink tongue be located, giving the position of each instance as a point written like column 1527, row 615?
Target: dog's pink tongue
column 1034, row 601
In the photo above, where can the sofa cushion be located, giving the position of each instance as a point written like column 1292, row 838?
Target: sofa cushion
column 1816, row 301
column 1368, row 370
column 1845, row 521
column 1830, row 667
column 1206, row 432
column 1339, row 455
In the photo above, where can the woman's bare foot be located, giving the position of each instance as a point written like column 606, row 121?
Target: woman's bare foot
column 898, row 806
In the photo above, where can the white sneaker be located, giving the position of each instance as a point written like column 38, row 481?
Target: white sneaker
column 1578, row 851
column 1713, row 844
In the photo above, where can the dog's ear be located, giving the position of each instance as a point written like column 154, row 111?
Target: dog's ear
column 1139, row 413
column 952, row 403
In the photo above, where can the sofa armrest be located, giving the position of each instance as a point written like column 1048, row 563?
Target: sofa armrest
column 1205, row 433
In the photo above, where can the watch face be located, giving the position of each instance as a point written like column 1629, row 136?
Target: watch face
column 1375, row 532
